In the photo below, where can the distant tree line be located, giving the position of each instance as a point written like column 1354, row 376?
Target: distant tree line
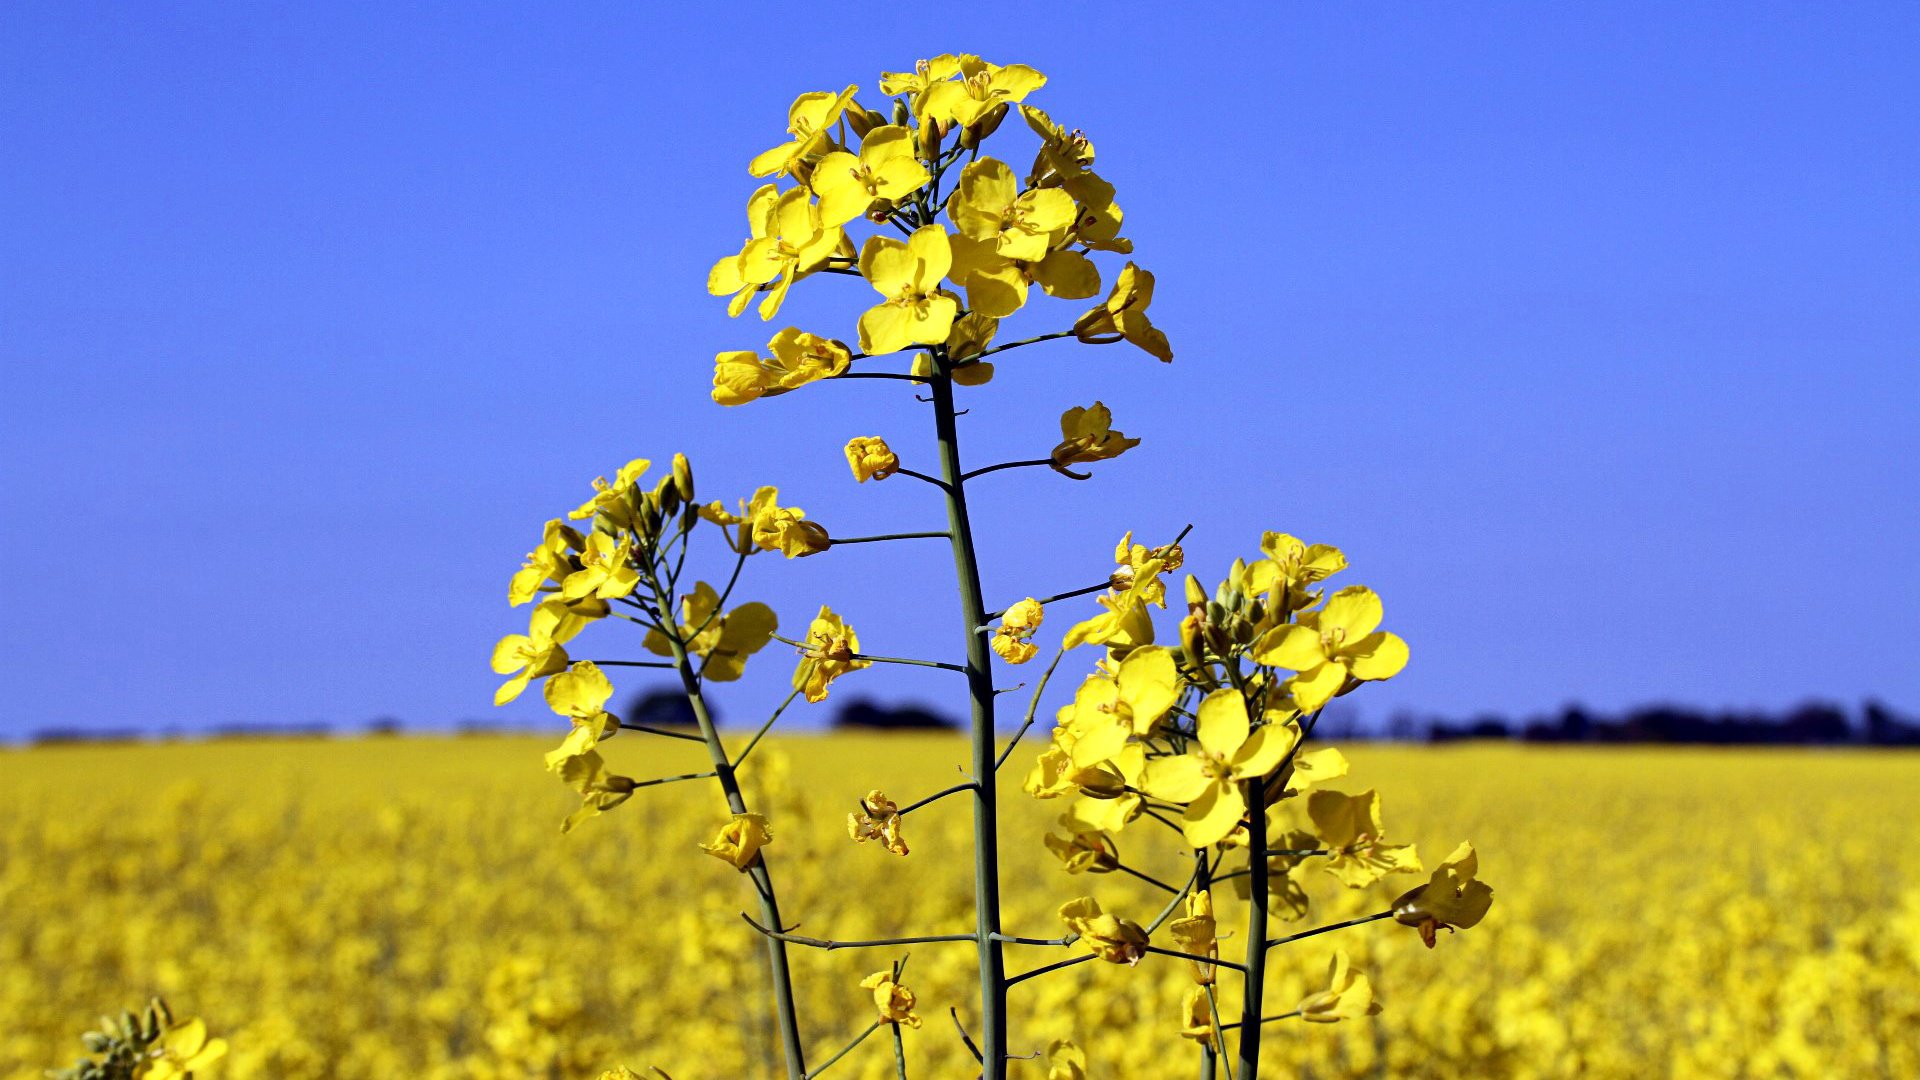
column 1811, row 724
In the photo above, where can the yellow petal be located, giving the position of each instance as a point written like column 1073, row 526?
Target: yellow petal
column 1214, row 814
column 1223, row 722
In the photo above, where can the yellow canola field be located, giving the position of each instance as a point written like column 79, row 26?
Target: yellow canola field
column 406, row 907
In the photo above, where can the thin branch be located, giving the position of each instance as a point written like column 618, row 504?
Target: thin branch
column 1266, row 1019
column 844, row 1051
column 1005, row 465
column 823, row 943
column 1011, row 940
column 758, row 735
column 1219, row 1035
column 1016, row 344
column 1196, row 959
column 934, row 480
column 879, row 659
column 1055, row 966
column 954, row 1011
column 688, row 735
column 1154, row 881
column 738, row 562
column 1033, row 708
column 954, row 790
column 1375, row 917
column 877, row 375
column 837, row 541
column 632, row 663
column 1199, row 864
column 676, row 779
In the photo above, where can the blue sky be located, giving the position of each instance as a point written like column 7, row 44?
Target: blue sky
column 1589, row 331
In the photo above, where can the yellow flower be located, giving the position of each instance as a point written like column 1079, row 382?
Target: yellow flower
column 1348, row 995
column 1084, row 850
column 1289, row 567
column 798, row 358
column 915, row 311
column 1315, row 767
column 1338, row 640
column 605, row 573
column 534, row 654
column 740, row 840
column 989, row 206
column 550, row 562
column 1017, row 624
column 1113, row 939
column 924, row 75
column 1349, row 828
column 877, row 819
column 1065, row 1061
column 997, row 285
column 831, row 651
column 1065, row 160
column 809, row 119
column 784, row 528
column 980, row 88
column 614, row 501
column 1195, row 934
column 1108, row 711
column 1124, row 316
column 580, row 693
column 871, row 458
column 894, row 1001
column 1086, row 434
column 1125, row 624
column 1451, row 898
column 184, row 1048
column 723, row 640
column 600, row 790
column 1196, row 1017
column 885, row 170
column 788, row 239
column 1207, row 778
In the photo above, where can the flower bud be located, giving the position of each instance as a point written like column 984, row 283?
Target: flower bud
column 683, row 477
column 900, row 114
column 985, row 126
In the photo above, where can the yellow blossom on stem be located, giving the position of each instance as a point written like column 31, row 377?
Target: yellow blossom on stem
column 1348, row 995
column 787, row 239
column 606, row 570
column 532, row 655
column 981, row 87
column 551, row 562
column 1207, row 778
column 723, row 640
column 924, row 75
column 1195, row 934
column 877, row 819
column 184, row 1048
column 1339, row 640
column 997, row 285
column 871, row 458
column 1197, row 1020
column 1108, row 711
column 600, row 790
column 780, row 528
column 1451, row 898
column 809, row 121
column 1084, row 850
column 884, row 171
column 1349, row 828
column 580, row 694
column 1124, row 316
column 614, row 501
column 1017, row 624
column 1315, row 767
column 915, row 310
column 989, row 206
column 970, row 336
column 1086, row 435
column 893, row 1001
column 831, row 651
column 740, row 840
column 1113, row 939
column 797, row 358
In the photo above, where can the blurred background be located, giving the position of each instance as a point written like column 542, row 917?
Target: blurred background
column 1589, row 333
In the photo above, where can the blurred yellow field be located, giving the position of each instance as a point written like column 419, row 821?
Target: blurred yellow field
column 408, row 908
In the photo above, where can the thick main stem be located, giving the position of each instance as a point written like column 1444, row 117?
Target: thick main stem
column 986, row 831
column 781, row 976
column 1256, row 960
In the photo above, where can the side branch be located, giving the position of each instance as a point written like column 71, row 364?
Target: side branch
column 837, row 541
column 936, row 796
column 1375, row 917
column 829, row 946
column 1006, row 465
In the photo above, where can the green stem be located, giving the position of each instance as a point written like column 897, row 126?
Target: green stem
column 781, row 976
column 844, row 1051
column 1202, row 881
column 986, row 827
column 1256, row 961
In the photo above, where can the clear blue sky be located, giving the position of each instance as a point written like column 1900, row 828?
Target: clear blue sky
column 1590, row 332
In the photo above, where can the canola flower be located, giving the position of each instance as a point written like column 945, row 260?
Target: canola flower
column 1204, row 735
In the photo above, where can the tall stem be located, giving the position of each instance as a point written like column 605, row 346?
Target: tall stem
column 986, row 833
column 780, row 975
column 1202, row 881
column 1256, row 961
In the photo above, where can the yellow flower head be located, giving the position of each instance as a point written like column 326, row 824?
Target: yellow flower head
column 893, row 1001
column 1109, row 711
column 924, row 75
column 1348, row 995
column 783, row 528
column 614, row 502
column 1065, row 1061
column 797, row 358
column 1124, row 316
column 1017, row 624
column 1113, row 939
column 1083, row 850
column 989, row 206
column 600, row 789
column 788, row 239
column 885, row 171
column 724, row 640
column 534, row 654
column 1207, row 778
column 1197, row 1020
column 970, row 336
column 1086, row 434
column 1339, row 640
column 831, row 651
column 915, row 310
column 871, row 458
column 1195, row 934
column 1349, row 828
column 877, row 819
column 981, row 88
column 551, row 562
column 740, row 840
column 1452, row 898
column 809, row 120
column 606, row 570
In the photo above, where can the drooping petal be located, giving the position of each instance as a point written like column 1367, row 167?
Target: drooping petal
column 1379, row 655
column 1223, row 722
column 1180, row 778
column 1214, row 814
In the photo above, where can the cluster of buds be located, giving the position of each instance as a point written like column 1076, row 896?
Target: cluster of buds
column 149, row 1045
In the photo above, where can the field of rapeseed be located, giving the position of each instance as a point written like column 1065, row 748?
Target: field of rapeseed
column 405, row 907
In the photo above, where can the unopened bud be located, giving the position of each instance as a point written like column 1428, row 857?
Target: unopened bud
column 683, row 477
column 985, row 126
column 900, row 113
column 930, row 132
column 1196, row 595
